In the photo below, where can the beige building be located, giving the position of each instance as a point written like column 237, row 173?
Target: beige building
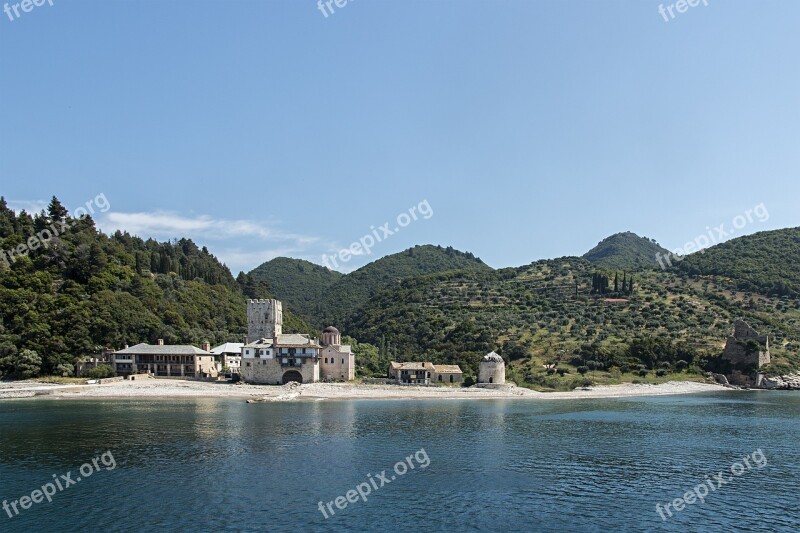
column 425, row 373
column 336, row 360
column 276, row 361
column 169, row 360
column 276, row 358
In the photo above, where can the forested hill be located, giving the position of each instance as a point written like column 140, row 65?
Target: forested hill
column 767, row 262
column 71, row 295
column 325, row 297
column 625, row 251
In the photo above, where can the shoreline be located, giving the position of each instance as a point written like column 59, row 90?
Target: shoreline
column 176, row 389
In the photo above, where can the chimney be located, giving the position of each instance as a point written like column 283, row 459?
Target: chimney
column 245, row 339
column 206, row 347
column 160, row 342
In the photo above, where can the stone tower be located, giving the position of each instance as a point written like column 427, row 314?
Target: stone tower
column 492, row 370
column 264, row 319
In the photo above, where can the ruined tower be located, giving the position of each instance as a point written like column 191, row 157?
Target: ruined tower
column 264, row 319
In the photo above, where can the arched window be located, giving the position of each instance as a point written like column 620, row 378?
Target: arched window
column 440, row 378
column 451, row 378
column 490, row 380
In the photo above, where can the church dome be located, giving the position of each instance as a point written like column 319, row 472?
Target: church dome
column 331, row 329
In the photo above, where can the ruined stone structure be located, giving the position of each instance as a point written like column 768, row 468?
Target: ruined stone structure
column 746, row 347
column 492, row 370
column 747, row 351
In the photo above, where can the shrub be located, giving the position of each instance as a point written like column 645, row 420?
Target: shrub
column 100, row 372
column 661, row 372
column 581, row 382
column 582, row 370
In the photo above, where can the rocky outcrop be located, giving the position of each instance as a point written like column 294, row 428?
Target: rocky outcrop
column 788, row 382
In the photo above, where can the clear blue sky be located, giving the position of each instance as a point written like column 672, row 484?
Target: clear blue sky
column 533, row 129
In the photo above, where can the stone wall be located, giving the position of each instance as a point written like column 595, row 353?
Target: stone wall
column 271, row 372
column 492, row 372
column 340, row 365
column 746, row 347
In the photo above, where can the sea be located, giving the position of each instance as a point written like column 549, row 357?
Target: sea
column 722, row 461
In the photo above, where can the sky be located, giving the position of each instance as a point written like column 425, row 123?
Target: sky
column 517, row 130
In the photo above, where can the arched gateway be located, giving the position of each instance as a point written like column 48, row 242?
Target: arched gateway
column 292, row 375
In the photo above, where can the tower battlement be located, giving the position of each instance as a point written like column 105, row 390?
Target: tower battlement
column 264, row 319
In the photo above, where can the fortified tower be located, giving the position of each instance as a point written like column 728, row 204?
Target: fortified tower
column 264, row 319
column 492, row 370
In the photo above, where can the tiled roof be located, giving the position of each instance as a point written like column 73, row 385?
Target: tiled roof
column 295, row 339
column 164, row 349
column 411, row 366
column 228, row 347
column 447, row 369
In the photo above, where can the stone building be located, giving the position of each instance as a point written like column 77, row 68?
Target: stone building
column 167, row 360
column 337, row 360
column 746, row 351
column 424, row 373
column 492, row 370
column 281, row 359
column 276, row 358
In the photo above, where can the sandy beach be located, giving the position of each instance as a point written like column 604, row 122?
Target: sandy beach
column 166, row 388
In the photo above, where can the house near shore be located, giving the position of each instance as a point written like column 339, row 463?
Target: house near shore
column 166, row 360
column 424, row 373
column 277, row 358
column 228, row 355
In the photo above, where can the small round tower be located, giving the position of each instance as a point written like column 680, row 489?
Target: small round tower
column 492, row 370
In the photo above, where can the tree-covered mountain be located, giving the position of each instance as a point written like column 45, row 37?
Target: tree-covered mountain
column 549, row 312
column 69, row 295
column 767, row 262
column 325, row 297
column 301, row 285
column 625, row 251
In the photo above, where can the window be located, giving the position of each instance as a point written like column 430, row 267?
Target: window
column 451, row 378
column 440, row 378
column 248, row 363
column 342, row 361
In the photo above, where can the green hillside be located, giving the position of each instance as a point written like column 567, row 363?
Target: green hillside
column 625, row 251
column 301, row 285
column 325, row 297
column 766, row 262
column 547, row 312
column 86, row 290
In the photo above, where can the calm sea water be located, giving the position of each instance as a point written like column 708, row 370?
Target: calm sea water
column 224, row 465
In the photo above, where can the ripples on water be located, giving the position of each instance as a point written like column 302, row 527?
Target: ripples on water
column 504, row 465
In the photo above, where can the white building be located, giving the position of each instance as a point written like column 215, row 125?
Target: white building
column 228, row 355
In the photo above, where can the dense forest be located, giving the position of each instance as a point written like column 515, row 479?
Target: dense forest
column 69, row 296
column 324, row 297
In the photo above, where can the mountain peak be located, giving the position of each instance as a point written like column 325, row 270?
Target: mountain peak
column 626, row 251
